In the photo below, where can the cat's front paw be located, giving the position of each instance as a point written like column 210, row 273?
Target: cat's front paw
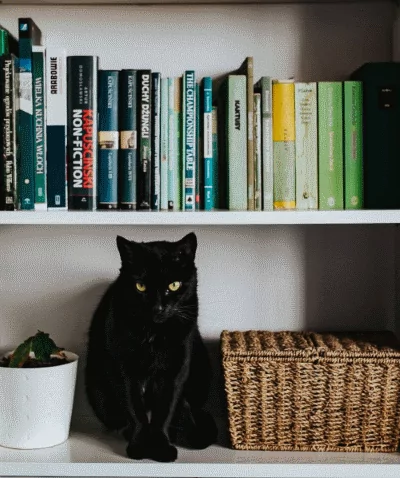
column 137, row 451
column 161, row 449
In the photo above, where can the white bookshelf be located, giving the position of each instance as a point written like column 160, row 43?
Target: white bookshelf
column 200, row 218
column 274, row 270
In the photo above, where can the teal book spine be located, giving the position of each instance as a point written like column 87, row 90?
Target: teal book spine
column 155, row 141
column 199, row 162
column 164, row 146
column 28, row 35
column 174, row 146
column 108, row 139
column 39, row 118
column 189, row 145
column 208, row 169
column 127, row 165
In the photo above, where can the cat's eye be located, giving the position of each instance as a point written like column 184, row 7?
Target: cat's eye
column 140, row 286
column 174, row 286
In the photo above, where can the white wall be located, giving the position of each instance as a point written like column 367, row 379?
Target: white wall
column 289, row 277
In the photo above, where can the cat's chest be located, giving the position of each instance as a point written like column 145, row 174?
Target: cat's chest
column 155, row 353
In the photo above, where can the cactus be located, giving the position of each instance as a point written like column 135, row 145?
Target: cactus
column 41, row 345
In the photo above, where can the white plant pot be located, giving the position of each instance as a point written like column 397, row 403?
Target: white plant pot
column 36, row 404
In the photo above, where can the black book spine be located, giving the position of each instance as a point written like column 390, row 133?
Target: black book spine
column 144, row 129
column 82, row 131
column 8, row 91
column 155, row 141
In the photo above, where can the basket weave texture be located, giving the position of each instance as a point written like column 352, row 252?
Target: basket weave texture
column 312, row 392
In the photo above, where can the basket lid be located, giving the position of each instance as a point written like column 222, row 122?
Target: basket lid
column 260, row 343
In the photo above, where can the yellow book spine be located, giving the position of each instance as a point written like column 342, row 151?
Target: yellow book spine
column 283, row 134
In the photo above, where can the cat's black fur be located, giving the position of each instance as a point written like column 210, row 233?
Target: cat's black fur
column 145, row 352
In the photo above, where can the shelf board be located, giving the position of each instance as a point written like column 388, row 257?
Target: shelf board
column 172, row 2
column 199, row 218
column 89, row 452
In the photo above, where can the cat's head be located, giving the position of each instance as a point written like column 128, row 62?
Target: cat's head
column 161, row 276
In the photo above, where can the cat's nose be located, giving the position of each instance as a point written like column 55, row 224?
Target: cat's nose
column 158, row 309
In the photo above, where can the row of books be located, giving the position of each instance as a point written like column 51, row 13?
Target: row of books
column 83, row 138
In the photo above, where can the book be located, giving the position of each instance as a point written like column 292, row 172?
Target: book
column 330, row 145
column 175, row 166
column 144, row 87
column 8, row 117
column 215, row 154
column 127, row 164
column 353, row 145
column 207, row 137
column 283, row 130
column 164, row 146
column 39, row 119
column 199, row 153
column 264, row 87
column 306, row 146
column 56, row 129
column 189, row 140
column 247, row 69
column 108, row 139
column 155, row 141
column 381, row 141
column 82, row 131
column 29, row 35
column 232, row 172
column 8, row 43
column 257, row 153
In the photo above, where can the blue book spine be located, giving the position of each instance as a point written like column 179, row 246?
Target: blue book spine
column 155, row 143
column 127, row 166
column 189, row 146
column 108, row 140
column 208, row 145
column 164, row 145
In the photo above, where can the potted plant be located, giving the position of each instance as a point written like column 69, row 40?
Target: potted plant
column 37, row 386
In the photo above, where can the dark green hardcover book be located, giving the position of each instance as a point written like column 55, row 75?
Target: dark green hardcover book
column 29, row 35
column 155, row 141
column 107, row 159
column 381, row 138
column 39, row 120
column 127, row 168
column 8, row 111
column 8, row 43
column 82, row 132
column 144, row 140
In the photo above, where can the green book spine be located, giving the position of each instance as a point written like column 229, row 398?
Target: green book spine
column 236, row 145
column 215, row 190
column 29, row 34
column 306, row 146
column 330, row 145
column 264, row 86
column 257, row 152
column 164, row 145
column 39, row 119
column 353, row 145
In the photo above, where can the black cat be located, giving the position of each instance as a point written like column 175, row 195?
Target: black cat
column 147, row 370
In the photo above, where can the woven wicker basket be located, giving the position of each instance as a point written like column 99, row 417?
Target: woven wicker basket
column 312, row 392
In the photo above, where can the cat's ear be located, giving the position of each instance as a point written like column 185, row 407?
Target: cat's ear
column 125, row 249
column 188, row 245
